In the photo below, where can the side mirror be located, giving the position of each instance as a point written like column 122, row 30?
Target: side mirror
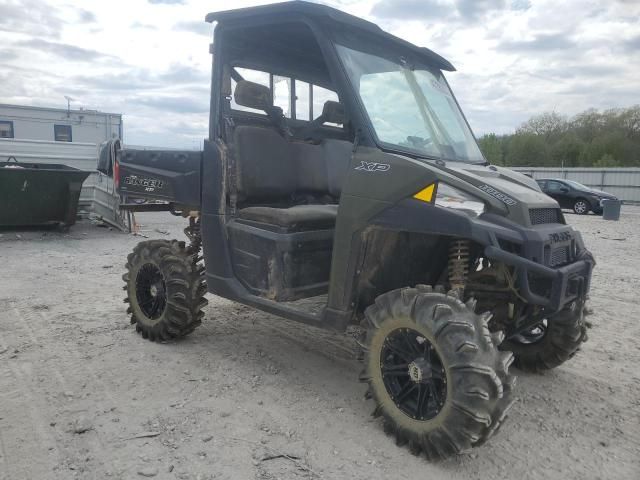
column 564, row 189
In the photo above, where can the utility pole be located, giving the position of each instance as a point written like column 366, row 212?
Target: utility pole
column 68, row 105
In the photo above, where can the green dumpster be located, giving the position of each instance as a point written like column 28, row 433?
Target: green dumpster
column 39, row 194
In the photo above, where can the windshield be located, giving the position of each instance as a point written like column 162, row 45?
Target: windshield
column 410, row 107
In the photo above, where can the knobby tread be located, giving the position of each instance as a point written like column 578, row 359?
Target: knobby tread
column 185, row 289
column 480, row 385
column 566, row 331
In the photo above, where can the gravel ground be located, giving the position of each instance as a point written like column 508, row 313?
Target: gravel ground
column 252, row 396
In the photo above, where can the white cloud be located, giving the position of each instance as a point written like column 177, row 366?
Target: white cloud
column 149, row 58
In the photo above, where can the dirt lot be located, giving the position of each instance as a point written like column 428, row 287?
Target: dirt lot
column 249, row 395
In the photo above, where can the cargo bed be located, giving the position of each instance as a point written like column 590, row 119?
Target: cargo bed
column 171, row 176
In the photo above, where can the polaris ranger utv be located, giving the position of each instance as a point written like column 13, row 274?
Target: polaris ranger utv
column 341, row 185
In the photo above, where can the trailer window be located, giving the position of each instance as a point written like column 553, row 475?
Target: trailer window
column 6, row 129
column 62, row 133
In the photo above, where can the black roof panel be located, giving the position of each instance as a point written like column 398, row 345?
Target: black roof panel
column 327, row 14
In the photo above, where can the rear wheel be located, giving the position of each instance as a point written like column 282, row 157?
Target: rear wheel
column 550, row 343
column 165, row 289
column 581, row 206
column 435, row 372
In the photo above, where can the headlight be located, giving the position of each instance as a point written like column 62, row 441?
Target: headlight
column 450, row 197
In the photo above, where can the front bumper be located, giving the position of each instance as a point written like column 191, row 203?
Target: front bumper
column 563, row 284
column 597, row 206
column 552, row 265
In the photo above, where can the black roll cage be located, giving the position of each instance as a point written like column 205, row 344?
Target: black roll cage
column 324, row 24
column 339, row 81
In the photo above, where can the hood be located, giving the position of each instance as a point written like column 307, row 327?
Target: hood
column 503, row 188
column 510, row 182
column 600, row 193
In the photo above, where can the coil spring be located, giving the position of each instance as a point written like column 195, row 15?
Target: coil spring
column 193, row 234
column 458, row 264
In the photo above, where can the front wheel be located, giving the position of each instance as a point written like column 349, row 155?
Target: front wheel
column 581, row 206
column 165, row 289
column 550, row 343
column 435, row 372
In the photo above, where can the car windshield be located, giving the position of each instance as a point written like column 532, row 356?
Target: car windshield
column 410, row 107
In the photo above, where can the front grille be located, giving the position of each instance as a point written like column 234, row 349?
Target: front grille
column 540, row 216
column 559, row 256
column 539, row 285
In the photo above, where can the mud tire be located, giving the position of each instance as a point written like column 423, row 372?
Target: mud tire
column 565, row 332
column 184, row 289
column 479, row 387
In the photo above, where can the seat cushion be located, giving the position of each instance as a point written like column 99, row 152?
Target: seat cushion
column 299, row 217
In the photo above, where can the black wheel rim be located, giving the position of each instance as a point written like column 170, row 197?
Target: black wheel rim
column 533, row 335
column 151, row 291
column 413, row 374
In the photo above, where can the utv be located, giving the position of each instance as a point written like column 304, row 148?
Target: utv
column 342, row 186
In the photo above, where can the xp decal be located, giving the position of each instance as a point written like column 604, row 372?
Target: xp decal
column 373, row 167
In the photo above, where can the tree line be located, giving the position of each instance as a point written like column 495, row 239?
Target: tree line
column 590, row 139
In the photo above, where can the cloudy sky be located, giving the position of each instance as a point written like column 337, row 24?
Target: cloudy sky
column 148, row 59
